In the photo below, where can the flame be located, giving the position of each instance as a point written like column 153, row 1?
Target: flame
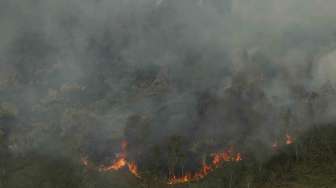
column 289, row 139
column 238, row 157
column 217, row 160
column 120, row 163
column 133, row 168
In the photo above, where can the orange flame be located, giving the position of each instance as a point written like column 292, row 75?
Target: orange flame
column 289, row 139
column 120, row 163
column 238, row 157
column 217, row 160
column 133, row 168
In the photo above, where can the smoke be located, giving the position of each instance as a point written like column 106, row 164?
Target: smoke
column 92, row 72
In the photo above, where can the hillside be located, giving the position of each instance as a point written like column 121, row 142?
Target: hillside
column 167, row 93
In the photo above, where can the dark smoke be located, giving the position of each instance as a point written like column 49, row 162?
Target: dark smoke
column 77, row 77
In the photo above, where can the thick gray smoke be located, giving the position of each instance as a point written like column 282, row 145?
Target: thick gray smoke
column 217, row 73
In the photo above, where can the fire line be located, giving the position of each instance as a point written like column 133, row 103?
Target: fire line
column 217, row 160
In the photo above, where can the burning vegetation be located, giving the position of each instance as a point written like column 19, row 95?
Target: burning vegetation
column 204, row 93
column 218, row 160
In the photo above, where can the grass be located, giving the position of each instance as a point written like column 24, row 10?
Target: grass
column 308, row 163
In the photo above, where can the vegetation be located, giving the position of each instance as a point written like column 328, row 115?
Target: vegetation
column 167, row 85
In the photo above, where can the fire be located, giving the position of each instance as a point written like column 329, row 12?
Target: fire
column 217, row 160
column 226, row 156
column 133, row 168
column 238, row 157
column 289, row 139
column 179, row 180
column 120, row 163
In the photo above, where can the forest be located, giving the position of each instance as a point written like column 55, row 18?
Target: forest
column 167, row 94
